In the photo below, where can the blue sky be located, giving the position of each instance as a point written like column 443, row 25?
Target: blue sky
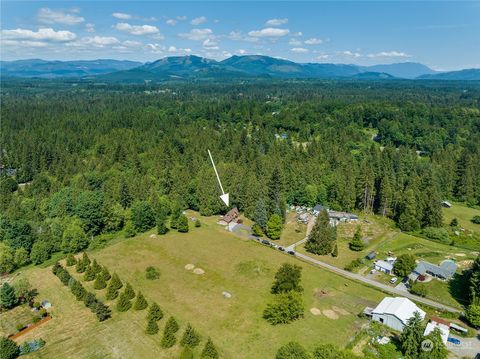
column 443, row 35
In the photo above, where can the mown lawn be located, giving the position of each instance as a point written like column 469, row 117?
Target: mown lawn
column 242, row 267
column 21, row 315
column 463, row 214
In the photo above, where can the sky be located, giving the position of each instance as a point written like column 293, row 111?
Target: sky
column 443, row 35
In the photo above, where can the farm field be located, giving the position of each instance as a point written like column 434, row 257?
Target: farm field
column 463, row 214
column 241, row 267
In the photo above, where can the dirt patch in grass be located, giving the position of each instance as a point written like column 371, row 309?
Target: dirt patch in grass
column 340, row 311
column 331, row 314
column 315, row 311
column 321, row 293
column 199, row 271
column 189, row 266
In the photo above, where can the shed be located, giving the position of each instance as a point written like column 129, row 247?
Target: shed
column 371, row 255
column 444, row 330
column 446, row 204
column 395, row 312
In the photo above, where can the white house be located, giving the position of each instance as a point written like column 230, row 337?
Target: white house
column 442, row 326
column 395, row 312
column 383, row 266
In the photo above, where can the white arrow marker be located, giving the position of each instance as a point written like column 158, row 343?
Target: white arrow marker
column 224, row 197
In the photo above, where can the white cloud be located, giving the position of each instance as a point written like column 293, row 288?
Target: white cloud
column 313, row 41
column 122, row 16
column 348, row 53
column 239, row 36
column 49, row 16
column 197, row 34
column 101, row 41
column 171, row 22
column 294, row 42
column 210, row 44
column 323, row 56
column 181, row 18
column 44, row 34
column 89, row 27
column 155, row 48
column 137, row 29
column 269, row 32
column 389, row 54
column 276, row 22
column 22, row 43
column 299, row 50
column 241, row 52
column 173, row 49
column 198, row 20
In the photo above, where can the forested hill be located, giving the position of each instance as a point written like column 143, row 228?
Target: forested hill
column 87, row 155
column 191, row 67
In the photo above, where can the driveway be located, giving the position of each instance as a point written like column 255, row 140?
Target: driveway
column 468, row 347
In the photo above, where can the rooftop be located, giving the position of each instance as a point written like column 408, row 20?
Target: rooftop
column 446, row 269
column 402, row 308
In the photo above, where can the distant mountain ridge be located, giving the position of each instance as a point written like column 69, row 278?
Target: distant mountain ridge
column 193, row 67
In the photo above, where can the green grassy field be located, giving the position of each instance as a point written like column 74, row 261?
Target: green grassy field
column 242, row 267
column 21, row 315
column 463, row 214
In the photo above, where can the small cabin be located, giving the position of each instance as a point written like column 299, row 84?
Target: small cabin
column 231, row 216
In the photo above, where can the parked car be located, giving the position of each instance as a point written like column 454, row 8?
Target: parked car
column 264, row 241
column 373, row 271
column 291, row 252
column 393, row 280
column 453, row 340
column 281, row 249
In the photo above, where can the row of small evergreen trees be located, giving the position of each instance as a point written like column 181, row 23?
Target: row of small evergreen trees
column 93, row 271
column 101, row 310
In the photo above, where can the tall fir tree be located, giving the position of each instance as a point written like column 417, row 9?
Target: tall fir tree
column 209, row 351
column 260, row 215
column 71, row 261
column 155, row 312
column 408, row 219
column 322, row 237
column 412, row 336
column 140, row 302
column 190, row 337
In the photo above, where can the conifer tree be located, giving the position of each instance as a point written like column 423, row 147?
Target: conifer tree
column 190, row 337
column 182, row 224
column 408, row 219
column 81, row 266
column 102, row 311
column 78, row 290
column 8, row 299
column 412, row 336
column 169, row 339
column 99, row 282
column 96, row 267
column 71, row 261
column 438, row 348
column 86, row 259
column 152, row 327
column 260, row 215
column 335, row 251
column 161, row 227
column 112, row 293
column 209, row 351
column 140, row 302
column 357, row 244
column 322, row 237
column 89, row 274
column 105, row 274
column 116, row 283
column 155, row 312
column 90, row 300
column 123, row 303
column 129, row 292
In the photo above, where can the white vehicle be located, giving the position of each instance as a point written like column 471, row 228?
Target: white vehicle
column 373, row 271
column 393, row 280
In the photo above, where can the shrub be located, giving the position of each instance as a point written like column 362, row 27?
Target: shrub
column 182, row 224
column 287, row 278
column 190, row 337
column 123, row 303
column 198, row 224
column 89, row 274
column 454, row 222
column 152, row 273
column 99, row 282
column 8, row 298
column 437, row 234
column 257, row 230
column 419, row 289
column 71, row 261
column 8, row 349
column 102, row 311
column 130, row 230
column 140, row 303
column 475, row 219
column 155, row 312
column 152, row 327
column 96, row 267
column 209, row 351
column 357, row 243
column 169, row 339
column 40, row 252
column 161, row 227
column 285, row 308
column 105, row 274
column 129, row 292
column 354, row 264
column 292, row 350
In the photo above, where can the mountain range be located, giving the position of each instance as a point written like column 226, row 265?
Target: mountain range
column 237, row 67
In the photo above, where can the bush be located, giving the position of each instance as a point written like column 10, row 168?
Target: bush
column 140, row 302
column 169, row 339
column 130, row 230
column 437, row 234
column 8, row 349
column 161, row 227
column 89, row 274
column 99, row 283
column 155, row 312
column 123, row 303
column 182, row 224
column 71, row 261
column 190, row 338
column 152, row 327
column 419, row 289
column 285, row 308
column 257, row 230
column 475, row 219
column 354, row 264
column 292, row 350
column 129, row 292
column 454, row 222
column 209, row 351
column 152, row 273
column 198, row 224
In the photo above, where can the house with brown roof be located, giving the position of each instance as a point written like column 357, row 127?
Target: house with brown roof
column 231, row 215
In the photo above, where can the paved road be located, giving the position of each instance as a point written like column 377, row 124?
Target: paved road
column 374, row 283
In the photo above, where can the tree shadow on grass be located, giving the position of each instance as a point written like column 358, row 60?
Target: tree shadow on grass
column 458, row 287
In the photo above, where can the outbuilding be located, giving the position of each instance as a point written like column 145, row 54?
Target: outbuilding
column 383, row 266
column 395, row 312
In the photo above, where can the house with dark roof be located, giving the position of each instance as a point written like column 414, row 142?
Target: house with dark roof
column 444, row 271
